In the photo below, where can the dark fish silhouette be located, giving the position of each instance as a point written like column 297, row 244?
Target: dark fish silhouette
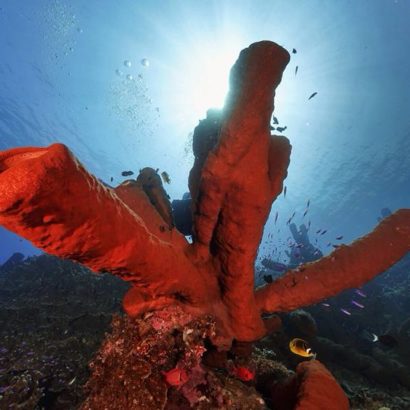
column 111, row 179
column 268, row 278
column 276, row 216
column 294, row 51
column 272, row 128
column 304, row 214
column 315, row 93
column 296, row 69
column 281, row 129
column 275, row 120
column 318, row 231
column 284, row 191
column 165, row 177
column 323, row 232
column 339, row 237
column 308, row 203
column 126, row 173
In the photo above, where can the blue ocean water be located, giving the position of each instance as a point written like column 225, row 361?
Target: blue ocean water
column 65, row 76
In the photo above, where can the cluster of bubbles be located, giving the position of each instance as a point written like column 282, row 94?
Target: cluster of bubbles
column 131, row 103
column 188, row 152
column 127, row 64
column 61, row 28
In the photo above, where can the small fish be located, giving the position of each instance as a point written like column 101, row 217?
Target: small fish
column 375, row 337
column 359, row 305
column 345, row 311
column 275, row 120
column 111, row 179
column 284, row 191
column 290, row 219
column 335, row 246
column 268, row 278
column 360, row 293
column 281, row 129
column 312, row 95
column 369, row 336
column 301, row 348
column 318, row 231
column 304, row 214
column 323, row 232
column 272, row 128
column 72, row 381
column 165, row 177
column 296, row 69
column 309, row 224
column 294, row 51
column 308, row 203
column 325, row 304
column 386, row 339
column 338, row 238
column 276, row 216
column 243, row 373
column 126, row 173
column 280, row 267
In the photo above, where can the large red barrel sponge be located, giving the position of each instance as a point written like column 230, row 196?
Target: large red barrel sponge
column 318, row 389
column 311, row 388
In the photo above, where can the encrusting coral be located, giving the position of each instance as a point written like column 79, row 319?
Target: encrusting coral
column 154, row 362
column 49, row 198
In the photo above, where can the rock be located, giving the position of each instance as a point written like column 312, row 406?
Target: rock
column 13, row 261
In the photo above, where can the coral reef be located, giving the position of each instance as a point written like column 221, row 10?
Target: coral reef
column 53, row 315
column 46, row 344
column 155, row 362
column 49, row 198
